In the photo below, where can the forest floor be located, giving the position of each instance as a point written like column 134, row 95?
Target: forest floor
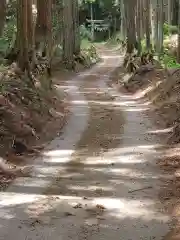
column 100, row 178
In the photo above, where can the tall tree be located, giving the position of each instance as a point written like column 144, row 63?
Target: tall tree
column 22, row 36
column 138, row 26
column 169, row 12
column 154, row 24
column 142, row 24
column 44, row 24
column 178, row 50
column 2, row 15
column 68, row 34
column 147, row 24
column 131, row 34
column 160, row 26
column 123, row 20
column 41, row 28
column 76, row 30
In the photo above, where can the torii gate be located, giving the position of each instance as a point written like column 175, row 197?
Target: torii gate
column 98, row 25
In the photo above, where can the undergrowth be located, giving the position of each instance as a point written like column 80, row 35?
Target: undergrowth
column 169, row 61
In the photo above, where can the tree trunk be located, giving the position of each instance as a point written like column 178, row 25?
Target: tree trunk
column 142, row 28
column 43, row 22
column 49, row 26
column 174, row 12
column 147, row 24
column 156, row 16
column 123, row 21
column 30, row 32
column 2, row 15
column 153, row 23
column 170, row 12
column 178, row 50
column 131, row 34
column 68, row 34
column 160, row 27
column 77, row 41
column 59, row 17
column 138, row 26
column 22, row 35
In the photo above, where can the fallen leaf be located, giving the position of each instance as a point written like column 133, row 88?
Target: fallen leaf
column 79, row 205
column 85, row 198
column 67, row 214
column 99, row 206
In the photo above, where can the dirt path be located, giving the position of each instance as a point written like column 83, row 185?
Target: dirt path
column 102, row 174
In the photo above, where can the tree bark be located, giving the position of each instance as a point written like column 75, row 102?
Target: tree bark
column 153, row 22
column 123, row 21
column 76, row 30
column 160, row 26
column 147, row 24
column 22, row 35
column 178, row 50
column 138, row 26
column 131, row 34
column 2, row 15
column 169, row 12
column 68, row 34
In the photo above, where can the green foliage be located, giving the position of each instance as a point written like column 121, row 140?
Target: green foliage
column 90, row 55
column 169, row 29
column 166, row 29
column 9, row 36
column 115, row 39
column 85, row 43
column 85, row 32
column 173, row 29
column 143, row 45
column 169, row 61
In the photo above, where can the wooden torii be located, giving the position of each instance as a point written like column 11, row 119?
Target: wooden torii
column 98, row 25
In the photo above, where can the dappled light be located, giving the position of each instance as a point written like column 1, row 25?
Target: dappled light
column 89, row 128
column 157, row 131
column 93, row 183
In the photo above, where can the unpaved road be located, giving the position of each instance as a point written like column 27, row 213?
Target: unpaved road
column 99, row 179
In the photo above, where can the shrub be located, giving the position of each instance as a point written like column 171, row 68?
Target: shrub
column 169, row 29
column 85, row 32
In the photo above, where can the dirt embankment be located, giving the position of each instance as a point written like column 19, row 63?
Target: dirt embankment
column 30, row 116
column 160, row 89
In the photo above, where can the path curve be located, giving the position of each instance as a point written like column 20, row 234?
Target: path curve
column 106, row 181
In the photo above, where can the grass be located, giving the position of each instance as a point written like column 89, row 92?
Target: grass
column 169, row 61
column 85, row 43
column 114, row 40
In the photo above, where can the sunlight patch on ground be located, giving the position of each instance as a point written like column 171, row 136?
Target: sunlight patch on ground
column 141, row 149
column 165, row 130
column 12, row 198
column 129, row 159
column 110, row 57
column 58, row 153
column 127, row 155
column 123, row 208
column 34, row 182
column 135, row 109
column 89, row 188
column 115, row 103
column 131, row 173
column 119, row 208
